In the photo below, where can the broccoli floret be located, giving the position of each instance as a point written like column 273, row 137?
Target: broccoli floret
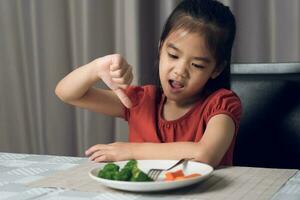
column 124, row 175
column 140, row 176
column 111, row 167
column 109, row 171
column 130, row 164
column 135, row 170
column 130, row 172
column 107, row 174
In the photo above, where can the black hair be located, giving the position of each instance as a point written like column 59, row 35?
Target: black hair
column 216, row 23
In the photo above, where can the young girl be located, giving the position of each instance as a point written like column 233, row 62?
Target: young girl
column 191, row 113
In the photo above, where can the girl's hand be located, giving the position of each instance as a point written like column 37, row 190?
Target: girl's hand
column 110, row 152
column 116, row 73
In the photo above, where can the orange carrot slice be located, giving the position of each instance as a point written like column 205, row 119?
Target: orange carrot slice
column 180, row 178
column 178, row 175
column 170, row 176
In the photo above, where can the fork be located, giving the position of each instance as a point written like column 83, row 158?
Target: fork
column 154, row 173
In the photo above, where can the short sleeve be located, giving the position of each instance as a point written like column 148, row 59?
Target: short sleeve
column 224, row 102
column 135, row 94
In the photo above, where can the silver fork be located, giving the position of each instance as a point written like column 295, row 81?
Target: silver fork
column 154, row 173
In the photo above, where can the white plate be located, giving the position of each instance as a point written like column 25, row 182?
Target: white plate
column 145, row 165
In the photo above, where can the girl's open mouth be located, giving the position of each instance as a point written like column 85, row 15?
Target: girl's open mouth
column 176, row 86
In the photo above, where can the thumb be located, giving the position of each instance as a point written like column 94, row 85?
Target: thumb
column 123, row 97
column 117, row 90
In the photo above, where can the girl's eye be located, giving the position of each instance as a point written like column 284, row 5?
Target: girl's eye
column 172, row 56
column 198, row 66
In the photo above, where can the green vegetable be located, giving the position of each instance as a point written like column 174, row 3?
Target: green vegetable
column 124, row 175
column 111, row 167
column 107, row 174
column 140, row 176
column 131, row 164
column 109, row 171
column 130, row 172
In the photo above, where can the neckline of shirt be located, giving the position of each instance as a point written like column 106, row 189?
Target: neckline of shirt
column 187, row 114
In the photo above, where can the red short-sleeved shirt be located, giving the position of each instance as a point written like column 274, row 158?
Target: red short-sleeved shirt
column 144, row 119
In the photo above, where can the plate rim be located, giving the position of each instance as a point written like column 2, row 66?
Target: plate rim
column 185, row 182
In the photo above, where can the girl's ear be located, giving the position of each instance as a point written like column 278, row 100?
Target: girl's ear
column 218, row 70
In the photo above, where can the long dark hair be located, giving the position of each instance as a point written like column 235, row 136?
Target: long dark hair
column 216, row 23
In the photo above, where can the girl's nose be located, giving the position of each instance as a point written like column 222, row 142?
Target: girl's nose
column 181, row 70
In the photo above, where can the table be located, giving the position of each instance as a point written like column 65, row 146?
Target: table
column 17, row 170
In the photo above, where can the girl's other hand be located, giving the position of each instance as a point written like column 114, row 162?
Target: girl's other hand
column 110, row 152
column 116, row 73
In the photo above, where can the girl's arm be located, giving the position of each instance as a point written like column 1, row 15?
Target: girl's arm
column 77, row 87
column 211, row 149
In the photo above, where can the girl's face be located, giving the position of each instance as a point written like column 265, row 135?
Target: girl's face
column 185, row 66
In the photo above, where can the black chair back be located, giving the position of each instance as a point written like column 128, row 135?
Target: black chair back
column 269, row 134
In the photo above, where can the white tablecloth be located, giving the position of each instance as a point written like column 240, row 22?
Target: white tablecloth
column 17, row 170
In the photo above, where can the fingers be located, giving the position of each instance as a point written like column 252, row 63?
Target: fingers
column 110, row 152
column 99, row 156
column 108, row 80
column 98, row 153
column 120, row 71
column 117, row 60
column 95, row 148
column 122, row 77
column 117, row 76
column 102, row 158
column 118, row 90
column 124, row 86
column 101, row 153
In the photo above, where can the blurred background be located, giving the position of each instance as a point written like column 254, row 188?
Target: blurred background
column 43, row 40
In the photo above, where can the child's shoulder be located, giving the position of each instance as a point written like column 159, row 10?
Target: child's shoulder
column 141, row 89
column 223, row 98
column 223, row 101
column 223, row 93
column 138, row 94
